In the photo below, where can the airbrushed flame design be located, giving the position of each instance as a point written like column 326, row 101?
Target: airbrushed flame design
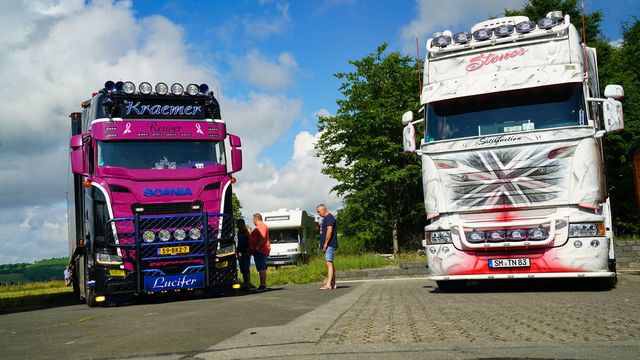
column 507, row 177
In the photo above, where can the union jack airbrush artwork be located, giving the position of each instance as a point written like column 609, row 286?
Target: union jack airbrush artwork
column 512, row 156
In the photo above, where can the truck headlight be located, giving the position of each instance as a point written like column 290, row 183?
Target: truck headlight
column 195, row 233
column 586, row 229
column 227, row 250
column 108, row 259
column 164, row 235
column 440, row 237
column 148, row 236
column 179, row 234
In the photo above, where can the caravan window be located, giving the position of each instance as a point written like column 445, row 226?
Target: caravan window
column 280, row 236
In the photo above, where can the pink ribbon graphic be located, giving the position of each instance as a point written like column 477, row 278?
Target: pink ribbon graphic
column 127, row 129
column 199, row 130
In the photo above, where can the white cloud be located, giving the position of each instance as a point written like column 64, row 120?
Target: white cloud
column 263, row 27
column 299, row 184
column 257, row 70
column 322, row 113
column 617, row 43
column 454, row 15
column 36, row 232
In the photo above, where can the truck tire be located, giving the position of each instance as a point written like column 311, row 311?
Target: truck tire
column 89, row 293
column 75, row 281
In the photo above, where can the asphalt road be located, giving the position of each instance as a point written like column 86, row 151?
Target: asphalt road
column 390, row 319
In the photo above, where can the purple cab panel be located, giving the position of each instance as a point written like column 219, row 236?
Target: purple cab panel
column 119, row 129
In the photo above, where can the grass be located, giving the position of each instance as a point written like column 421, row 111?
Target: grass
column 30, row 294
column 315, row 271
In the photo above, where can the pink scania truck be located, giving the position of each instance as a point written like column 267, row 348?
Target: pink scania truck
column 149, row 192
column 512, row 156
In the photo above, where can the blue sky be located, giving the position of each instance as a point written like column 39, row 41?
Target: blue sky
column 271, row 63
column 321, row 36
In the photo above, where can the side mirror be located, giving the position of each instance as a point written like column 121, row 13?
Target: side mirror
column 236, row 153
column 614, row 91
column 77, row 155
column 407, row 117
column 408, row 138
column 613, row 116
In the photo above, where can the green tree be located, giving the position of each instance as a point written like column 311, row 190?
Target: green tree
column 361, row 147
column 620, row 66
column 237, row 206
column 616, row 66
column 538, row 9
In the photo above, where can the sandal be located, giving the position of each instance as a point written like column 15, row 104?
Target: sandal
column 325, row 288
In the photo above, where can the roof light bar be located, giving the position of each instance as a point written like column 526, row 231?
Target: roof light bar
column 547, row 23
column 482, row 34
column 129, row 88
column 109, row 85
column 525, row 27
column 503, row 30
column 442, row 41
column 119, row 86
column 462, row 37
column 192, row 89
column 162, row 88
column 177, row 89
column 145, row 88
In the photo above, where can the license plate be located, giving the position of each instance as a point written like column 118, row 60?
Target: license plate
column 509, row 263
column 278, row 262
column 116, row 272
column 173, row 250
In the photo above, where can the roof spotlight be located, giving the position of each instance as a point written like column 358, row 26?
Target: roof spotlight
column 442, row 41
column 503, row 30
column 192, row 89
column 109, row 85
column 547, row 23
column 162, row 88
column 177, row 89
column 119, row 86
column 204, row 88
column 525, row 27
column 482, row 34
column 145, row 88
column 129, row 88
column 462, row 37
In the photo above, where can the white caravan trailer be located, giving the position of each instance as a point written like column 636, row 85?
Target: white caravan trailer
column 293, row 234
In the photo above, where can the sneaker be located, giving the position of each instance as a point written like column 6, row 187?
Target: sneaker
column 261, row 288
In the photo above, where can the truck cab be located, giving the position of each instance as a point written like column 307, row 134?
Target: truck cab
column 512, row 155
column 149, row 194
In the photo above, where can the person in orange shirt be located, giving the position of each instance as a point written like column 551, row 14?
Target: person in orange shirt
column 260, row 247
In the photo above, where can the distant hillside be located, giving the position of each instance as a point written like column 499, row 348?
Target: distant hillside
column 43, row 270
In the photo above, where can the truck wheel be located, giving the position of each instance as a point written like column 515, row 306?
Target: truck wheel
column 89, row 292
column 451, row 285
column 76, row 283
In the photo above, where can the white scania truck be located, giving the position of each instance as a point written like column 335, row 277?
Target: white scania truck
column 293, row 235
column 512, row 156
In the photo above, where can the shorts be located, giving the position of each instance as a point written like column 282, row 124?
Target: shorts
column 329, row 254
column 261, row 261
column 244, row 262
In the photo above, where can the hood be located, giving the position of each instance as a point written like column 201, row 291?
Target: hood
column 551, row 174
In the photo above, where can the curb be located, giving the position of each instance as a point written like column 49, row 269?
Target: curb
column 402, row 270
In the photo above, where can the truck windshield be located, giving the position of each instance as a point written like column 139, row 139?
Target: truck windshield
column 283, row 236
column 505, row 112
column 160, row 154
